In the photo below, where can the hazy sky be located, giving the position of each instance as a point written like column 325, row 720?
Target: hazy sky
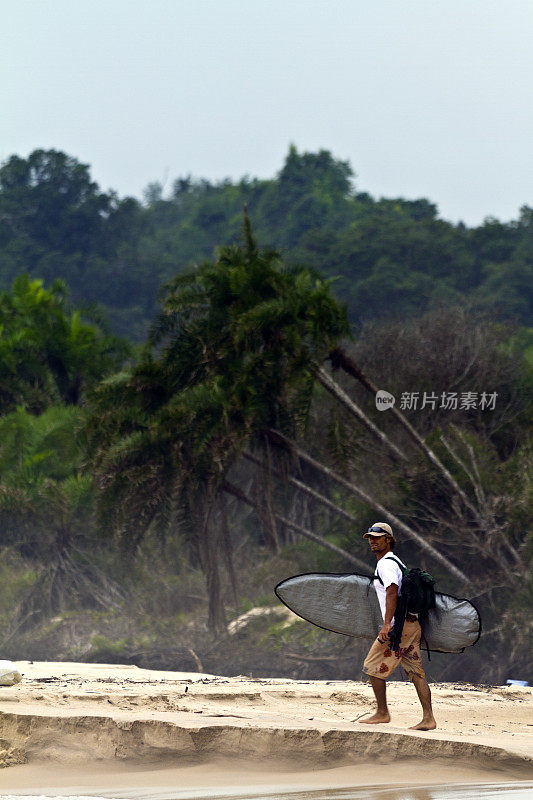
column 425, row 98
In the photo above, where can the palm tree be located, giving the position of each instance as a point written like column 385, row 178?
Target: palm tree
column 46, row 509
column 231, row 355
column 236, row 353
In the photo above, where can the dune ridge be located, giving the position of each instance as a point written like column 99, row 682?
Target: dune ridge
column 74, row 713
column 28, row 737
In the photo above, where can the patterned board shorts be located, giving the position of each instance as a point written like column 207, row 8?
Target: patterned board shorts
column 381, row 661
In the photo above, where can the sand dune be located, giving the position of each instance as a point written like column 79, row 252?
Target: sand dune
column 81, row 713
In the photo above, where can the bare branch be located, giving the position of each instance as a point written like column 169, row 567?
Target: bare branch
column 236, row 492
column 456, row 458
column 334, row 389
column 305, row 489
column 340, row 359
column 351, row 487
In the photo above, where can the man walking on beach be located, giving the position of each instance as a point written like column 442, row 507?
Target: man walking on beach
column 381, row 661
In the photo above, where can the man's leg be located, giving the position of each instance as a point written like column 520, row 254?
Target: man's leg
column 424, row 695
column 380, row 690
column 411, row 662
column 379, row 664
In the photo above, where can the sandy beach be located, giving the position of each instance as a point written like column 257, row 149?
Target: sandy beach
column 99, row 726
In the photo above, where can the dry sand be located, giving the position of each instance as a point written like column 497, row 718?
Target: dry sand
column 100, row 726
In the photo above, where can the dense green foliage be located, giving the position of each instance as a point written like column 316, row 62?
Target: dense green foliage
column 239, row 348
column 236, row 344
column 43, row 487
column 46, row 511
column 394, row 256
column 50, row 356
column 183, row 455
column 48, row 353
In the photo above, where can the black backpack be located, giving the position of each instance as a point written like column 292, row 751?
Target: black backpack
column 416, row 596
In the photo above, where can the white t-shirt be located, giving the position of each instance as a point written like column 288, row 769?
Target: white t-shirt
column 389, row 572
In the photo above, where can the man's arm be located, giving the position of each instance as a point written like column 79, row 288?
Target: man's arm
column 390, row 607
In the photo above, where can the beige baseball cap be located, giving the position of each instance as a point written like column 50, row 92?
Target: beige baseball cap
column 378, row 529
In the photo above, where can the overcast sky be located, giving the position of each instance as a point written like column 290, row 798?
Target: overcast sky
column 425, row 98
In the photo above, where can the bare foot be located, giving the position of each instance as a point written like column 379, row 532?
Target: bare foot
column 376, row 718
column 425, row 725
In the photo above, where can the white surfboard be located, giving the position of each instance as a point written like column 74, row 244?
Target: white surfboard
column 348, row 604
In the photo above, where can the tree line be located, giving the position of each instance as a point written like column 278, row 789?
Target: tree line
column 390, row 257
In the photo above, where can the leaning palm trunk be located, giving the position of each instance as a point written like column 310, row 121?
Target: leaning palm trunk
column 291, row 446
column 230, row 488
column 307, row 490
column 485, row 516
column 340, row 359
column 334, row 389
column 482, row 512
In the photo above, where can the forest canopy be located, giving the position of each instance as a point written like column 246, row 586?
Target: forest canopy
column 392, row 256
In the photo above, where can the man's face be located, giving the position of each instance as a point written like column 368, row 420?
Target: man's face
column 379, row 544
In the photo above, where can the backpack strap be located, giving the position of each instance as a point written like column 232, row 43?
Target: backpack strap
column 396, row 561
column 391, row 558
